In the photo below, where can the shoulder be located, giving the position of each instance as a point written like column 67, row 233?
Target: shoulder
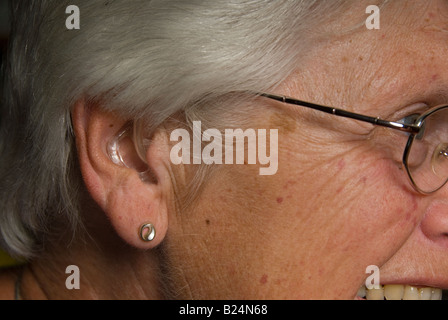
column 8, row 277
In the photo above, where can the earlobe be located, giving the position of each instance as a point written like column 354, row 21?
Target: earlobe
column 112, row 171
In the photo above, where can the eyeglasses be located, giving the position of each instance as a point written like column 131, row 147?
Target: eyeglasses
column 425, row 156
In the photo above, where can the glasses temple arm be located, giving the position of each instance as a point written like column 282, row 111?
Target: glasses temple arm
column 346, row 114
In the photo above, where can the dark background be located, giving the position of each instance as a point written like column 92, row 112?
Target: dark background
column 4, row 25
column 4, row 30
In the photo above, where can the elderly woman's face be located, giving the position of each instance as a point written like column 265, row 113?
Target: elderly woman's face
column 340, row 200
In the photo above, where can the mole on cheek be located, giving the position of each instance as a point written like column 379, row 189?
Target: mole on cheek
column 264, row 279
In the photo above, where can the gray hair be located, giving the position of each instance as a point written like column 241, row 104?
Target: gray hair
column 143, row 59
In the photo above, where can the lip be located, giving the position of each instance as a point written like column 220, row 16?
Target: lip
column 417, row 282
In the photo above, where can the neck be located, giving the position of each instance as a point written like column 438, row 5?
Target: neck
column 108, row 268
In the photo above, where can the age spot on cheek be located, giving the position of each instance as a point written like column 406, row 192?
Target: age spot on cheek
column 283, row 122
column 341, row 164
column 363, row 180
column 288, row 184
column 434, row 78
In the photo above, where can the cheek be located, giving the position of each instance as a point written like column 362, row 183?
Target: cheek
column 314, row 226
column 359, row 214
column 377, row 210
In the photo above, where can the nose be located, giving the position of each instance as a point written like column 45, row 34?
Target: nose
column 434, row 224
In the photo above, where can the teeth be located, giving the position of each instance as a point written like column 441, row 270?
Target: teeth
column 400, row 292
column 410, row 293
column 393, row 291
column 362, row 291
column 426, row 293
column 375, row 294
column 436, row 294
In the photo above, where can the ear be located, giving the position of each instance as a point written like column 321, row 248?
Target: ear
column 128, row 200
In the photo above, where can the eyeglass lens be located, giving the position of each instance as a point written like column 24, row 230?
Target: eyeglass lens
column 427, row 160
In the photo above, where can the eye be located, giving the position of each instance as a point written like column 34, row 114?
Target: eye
column 412, row 119
column 409, row 120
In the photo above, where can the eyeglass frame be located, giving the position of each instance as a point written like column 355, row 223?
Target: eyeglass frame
column 413, row 129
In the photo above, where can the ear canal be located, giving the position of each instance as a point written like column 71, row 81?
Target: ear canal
column 113, row 147
column 123, row 151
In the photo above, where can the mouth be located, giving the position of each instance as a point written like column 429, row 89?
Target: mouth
column 401, row 292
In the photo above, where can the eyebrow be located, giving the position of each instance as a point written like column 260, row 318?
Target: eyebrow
column 410, row 128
